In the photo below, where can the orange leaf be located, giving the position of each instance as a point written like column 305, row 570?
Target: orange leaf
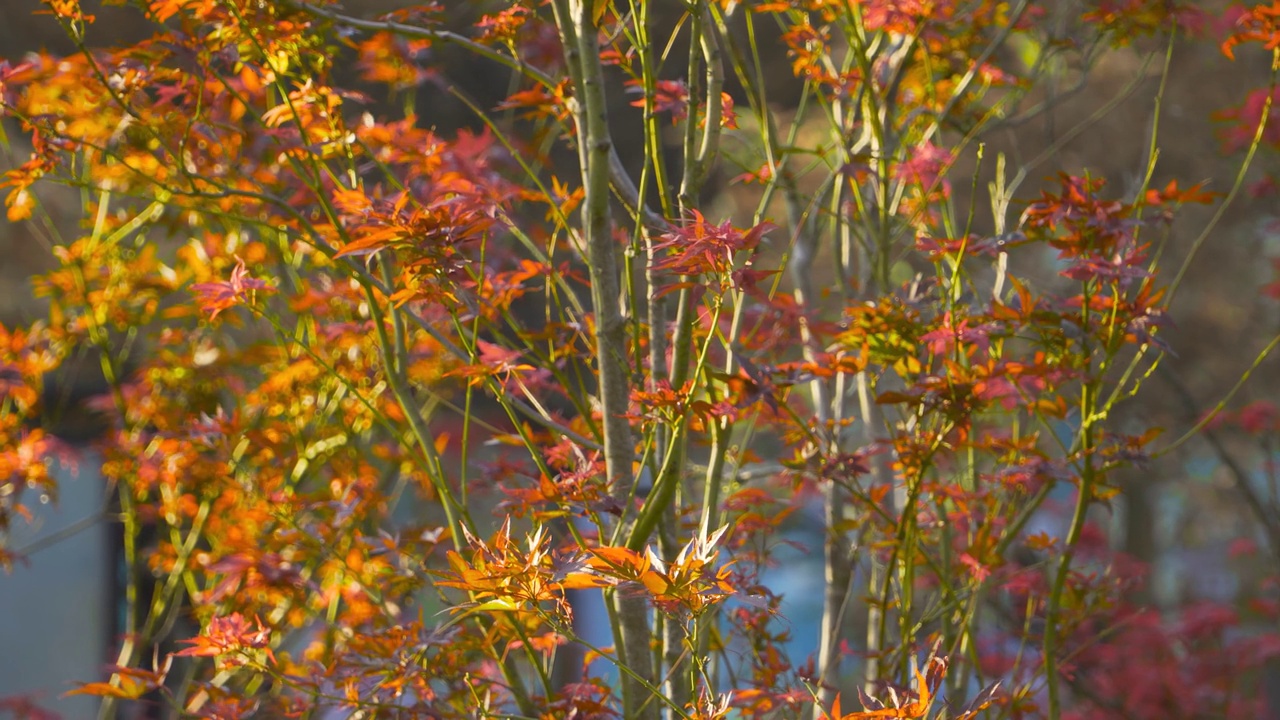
column 370, row 243
column 620, row 559
column 583, row 581
column 128, row 689
column 351, row 202
column 655, row 583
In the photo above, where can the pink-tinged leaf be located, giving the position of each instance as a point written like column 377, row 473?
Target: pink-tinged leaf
column 229, row 634
column 218, row 296
column 1258, row 417
column 1241, row 546
column 673, row 287
column 979, row 571
column 668, row 96
column 763, row 176
column 496, row 355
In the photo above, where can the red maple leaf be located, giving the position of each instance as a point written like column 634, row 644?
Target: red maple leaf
column 230, row 634
column 218, row 296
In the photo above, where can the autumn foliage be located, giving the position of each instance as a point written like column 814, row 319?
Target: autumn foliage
column 401, row 420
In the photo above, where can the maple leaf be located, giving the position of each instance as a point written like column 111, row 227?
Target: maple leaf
column 938, row 248
column 503, row 27
column 20, row 201
column 924, row 167
column 493, row 360
column 1245, row 118
column 1258, row 24
column 395, row 61
column 668, row 96
column 662, row 403
column 1258, row 417
column 1171, row 193
column 698, row 246
column 956, row 332
column 227, row 635
column 539, row 102
column 218, row 296
column 132, row 683
column 763, row 175
column 25, row 707
column 900, row 706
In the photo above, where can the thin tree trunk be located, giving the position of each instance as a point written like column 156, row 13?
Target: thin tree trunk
column 579, row 37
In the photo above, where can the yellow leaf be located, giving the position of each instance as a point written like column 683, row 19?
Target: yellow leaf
column 497, row 605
